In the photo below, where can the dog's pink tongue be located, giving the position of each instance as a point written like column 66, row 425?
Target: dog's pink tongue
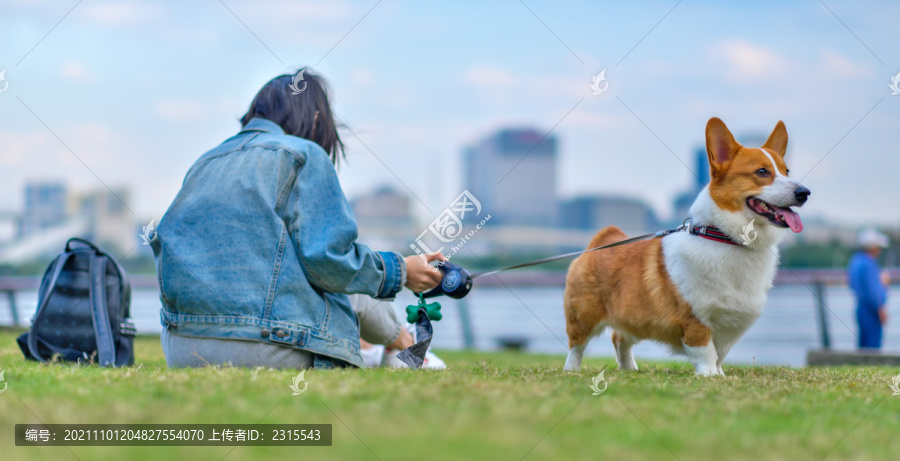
column 792, row 219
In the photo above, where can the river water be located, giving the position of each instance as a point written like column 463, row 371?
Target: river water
column 781, row 336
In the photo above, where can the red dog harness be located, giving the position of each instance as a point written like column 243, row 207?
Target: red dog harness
column 713, row 233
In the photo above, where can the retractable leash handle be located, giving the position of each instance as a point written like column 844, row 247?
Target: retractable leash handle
column 456, row 282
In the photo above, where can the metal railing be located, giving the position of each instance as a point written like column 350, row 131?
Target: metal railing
column 815, row 280
column 9, row 285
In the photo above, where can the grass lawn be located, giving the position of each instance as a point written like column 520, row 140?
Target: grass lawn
column 493, row 406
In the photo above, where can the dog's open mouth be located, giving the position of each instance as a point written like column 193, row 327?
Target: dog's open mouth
column 781, row 217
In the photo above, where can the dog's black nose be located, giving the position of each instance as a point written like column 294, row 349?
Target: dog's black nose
column 801, row 193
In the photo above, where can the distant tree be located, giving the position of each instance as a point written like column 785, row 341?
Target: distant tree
column 833, row 254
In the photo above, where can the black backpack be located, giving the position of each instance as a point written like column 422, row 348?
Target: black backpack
column 83, row 310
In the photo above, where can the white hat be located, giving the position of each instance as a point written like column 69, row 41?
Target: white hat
column 869, row 238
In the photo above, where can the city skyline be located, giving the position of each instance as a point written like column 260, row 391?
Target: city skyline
column 675, row 206
column 103, row 101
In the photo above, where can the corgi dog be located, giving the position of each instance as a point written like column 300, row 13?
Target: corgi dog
column 698, row 289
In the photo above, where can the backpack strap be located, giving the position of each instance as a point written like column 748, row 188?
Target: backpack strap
column 125, row 326
column 106, row 349
column 124, row 288
column 125, row 291
column 82, row 242
column 64, row 353
column 57, row 269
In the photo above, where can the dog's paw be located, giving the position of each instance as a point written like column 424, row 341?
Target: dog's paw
column 707, row 371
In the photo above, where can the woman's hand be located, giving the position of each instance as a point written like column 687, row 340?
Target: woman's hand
column 420, row 275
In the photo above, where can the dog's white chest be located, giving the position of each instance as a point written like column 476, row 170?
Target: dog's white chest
column 725, row 285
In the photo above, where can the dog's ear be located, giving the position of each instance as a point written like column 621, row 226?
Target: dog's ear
column 721, row 146
column 777, row 141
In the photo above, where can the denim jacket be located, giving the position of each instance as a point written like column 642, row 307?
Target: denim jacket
column 260, row 244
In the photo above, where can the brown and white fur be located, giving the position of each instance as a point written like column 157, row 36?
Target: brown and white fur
column 696, row 296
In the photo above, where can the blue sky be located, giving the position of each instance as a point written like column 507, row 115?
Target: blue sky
column 138, row 90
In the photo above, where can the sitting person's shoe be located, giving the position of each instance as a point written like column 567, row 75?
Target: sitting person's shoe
column 389, row 359
column 372, row 356
column 433, row 362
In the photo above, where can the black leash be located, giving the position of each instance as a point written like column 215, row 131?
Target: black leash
column 684, row 226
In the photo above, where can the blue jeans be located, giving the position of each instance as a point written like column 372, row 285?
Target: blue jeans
column 187, row 351
column 378, row 324
column 870, row 330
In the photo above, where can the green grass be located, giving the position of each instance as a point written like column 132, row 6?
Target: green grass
column 500, row 406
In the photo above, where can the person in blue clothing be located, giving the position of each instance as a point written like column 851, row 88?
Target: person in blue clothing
column 870, row 288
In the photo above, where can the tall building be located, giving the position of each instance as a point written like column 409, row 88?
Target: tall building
column 513, row 174
column 9, row 226
column 683, row 201
column 384, row 219
column 383, row 208
column 632, row 215
column 46, row 205
column 111, row 223
column 52, row 215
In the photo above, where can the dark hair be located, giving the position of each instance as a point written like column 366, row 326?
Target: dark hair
column 306, row 114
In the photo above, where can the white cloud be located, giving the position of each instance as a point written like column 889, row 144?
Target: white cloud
column 96, row 145
column 742, row 61
column 96, row 149
column 121, row 13
column 839, row 65
column 291, row 26
column 362, row 77
column 76, row 71
column 595, row 117
column 331, row 11
column 488, row 77
column 18, row 145
column 179, row 110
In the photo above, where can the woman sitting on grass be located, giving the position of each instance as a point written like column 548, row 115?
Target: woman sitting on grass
column 257, row 253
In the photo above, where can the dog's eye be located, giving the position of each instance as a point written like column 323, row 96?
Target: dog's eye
column 762, row 173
